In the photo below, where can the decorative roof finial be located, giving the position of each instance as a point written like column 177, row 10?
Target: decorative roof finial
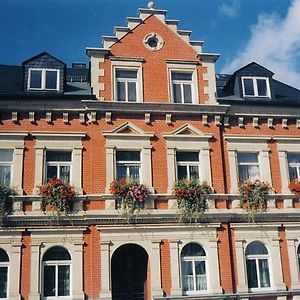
column 151, row 5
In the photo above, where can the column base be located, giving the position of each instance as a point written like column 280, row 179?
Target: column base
column 176, row 292
column 105, row 295
column 14, row 296
column 34, row 296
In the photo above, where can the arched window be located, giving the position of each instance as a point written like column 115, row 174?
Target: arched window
column 257, row 260
column 56, row 272
column 4, row 262
column 193, row 266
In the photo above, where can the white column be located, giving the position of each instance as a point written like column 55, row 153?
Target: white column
column 205, row 165
column 14, row 272
column 105, row 270
column 171, row 168
column 17, row 170
column 233, row 175
column 156, row 289
column 147, row 167
column 39, row 164
column 35, row 272
column 284, row 172
column 294, row 268
column 77, row 279
column 76, row 169
column 277, row 267
column 175, row 268
column 110, row 167
column 265, row 171
column 242, row 285
column 214, row 273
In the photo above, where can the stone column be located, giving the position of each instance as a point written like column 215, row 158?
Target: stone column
column 175, row 268
column 14, row 272
column 77, row 284
column 156, row 289
column 294, row 268
column 147, row 167
column 242, row 285
column 277, row 267
column 105, row 270
column 39, row 165
column 110, row 167
column 18, row 170
column 205, row 165
column 76, row 169
column 171, row 168
column 35, row 271
column 214, row 279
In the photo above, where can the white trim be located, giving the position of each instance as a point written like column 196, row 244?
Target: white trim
column 43, row 79
column 255, row 87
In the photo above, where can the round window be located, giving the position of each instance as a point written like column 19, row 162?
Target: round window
column 153, row 41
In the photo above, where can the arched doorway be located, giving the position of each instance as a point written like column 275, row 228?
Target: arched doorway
column 129, row 273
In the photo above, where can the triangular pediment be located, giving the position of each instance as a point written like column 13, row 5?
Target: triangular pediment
column 187, row 129
column 128, row 128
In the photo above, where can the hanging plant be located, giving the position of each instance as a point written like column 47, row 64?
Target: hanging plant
column 191, row 198
column 294, row 186
column 57, row 196
column 130, row 196
column 5, row 200
column 253, row 197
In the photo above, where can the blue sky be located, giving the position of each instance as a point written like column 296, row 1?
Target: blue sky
column 266, row 31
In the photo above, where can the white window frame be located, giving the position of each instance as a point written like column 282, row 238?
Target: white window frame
column 188, row 164
column 127, row 66
column 58, row 164
column 43, row 79
column 194, row 259
column 126, row 81
column 6, row 265
column 247, row 164
column 57, row 263
column 256, row 258
column 8, row 164
column 294, row 165
column 184, row 68
column 128, row 163
column 255, row 87
column 181, row 83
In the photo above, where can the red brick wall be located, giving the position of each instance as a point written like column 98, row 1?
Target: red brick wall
column 284, row 257
column 25, row 266
column 165, row 267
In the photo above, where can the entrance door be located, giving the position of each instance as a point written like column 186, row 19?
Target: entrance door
column 129, row 273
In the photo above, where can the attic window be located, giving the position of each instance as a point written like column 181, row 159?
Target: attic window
column 43, row 79
column 256, row 87
column 153, row 41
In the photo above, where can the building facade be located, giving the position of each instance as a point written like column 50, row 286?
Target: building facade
column 150, row 107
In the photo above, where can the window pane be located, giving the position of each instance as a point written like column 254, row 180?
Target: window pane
column 65, row 174
column 247, row 157
column 264, row 273
column 256, row 248
column 126, row 74
column 293, row 173
column 128, row 155
column 58, row 156
column 293, row 158
column 248, row 86
column 187, row 156
column 134, row 173
column 35, row 79
column 3, row 282
column 52, row 172
column 63, row 280
column 187, row 91
column 49, row 281
column 3, row 256
column 181, row 76
column 121, row 91
column 56, row 253
column 194, row 172
column 192, row 249
column 251, row 273
column 6, row 155
column 177, row 93
column 182, row 172
column 5, row 175
column 187, row 276
column 248, row 173
column 261, row 87
column 201, row 283
column 51, row 80
column 121, row 172
column 131, row 91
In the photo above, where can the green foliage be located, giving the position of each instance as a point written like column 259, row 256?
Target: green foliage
column 191, row 198
column 5, row 200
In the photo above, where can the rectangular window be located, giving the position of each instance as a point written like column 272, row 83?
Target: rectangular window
column 43, row 79
column 6, row 161
column 256, row 87
column 126, row 85
column 294, row 165
column 248, row 166
column 187, row 165
column 182, row 83
column 128, row 165
column 3, row 282
column 58, row 165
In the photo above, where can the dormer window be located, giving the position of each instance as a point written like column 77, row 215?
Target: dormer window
column 43, row 79
column 256, row 87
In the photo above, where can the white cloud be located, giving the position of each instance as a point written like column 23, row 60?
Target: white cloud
column 229, row 10
column 275, row 44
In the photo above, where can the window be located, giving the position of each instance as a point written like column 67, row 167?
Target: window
column 56, row 273
column 187, row 165
column 256, row 87
column 294, row 165
column 4, row 262
column 182, row 91
column 257, row 262
column 248, row 166
column 43, row 79
column 126, row 85
column 58, row 165
column 128, row 165
column 298, row 255
column 193, row 268
column 6, row 161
